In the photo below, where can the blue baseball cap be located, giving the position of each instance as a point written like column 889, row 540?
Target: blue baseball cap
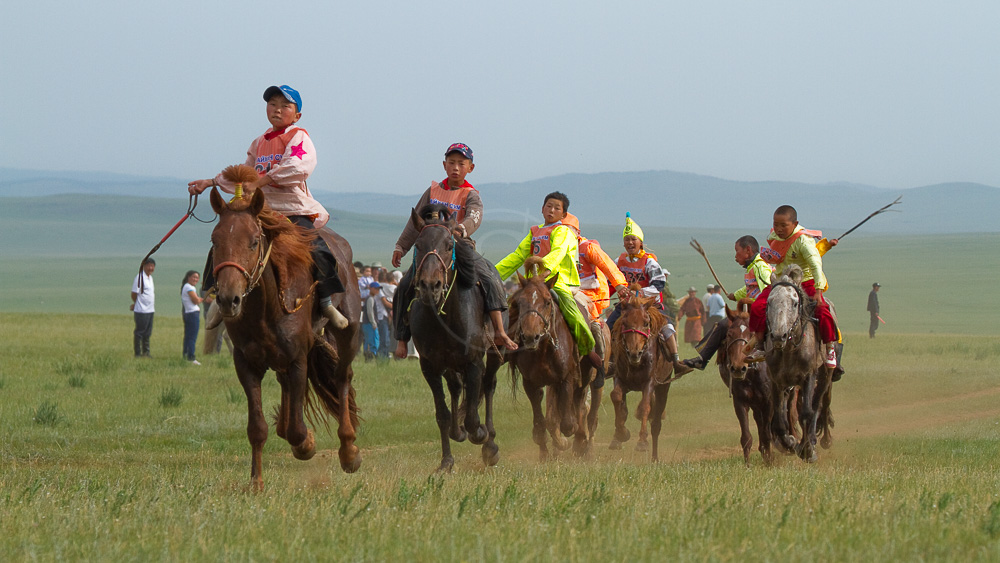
column 374, row 285
column 290, row 94
column 461, row 148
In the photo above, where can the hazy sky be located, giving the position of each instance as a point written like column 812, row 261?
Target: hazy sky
column 895, row 94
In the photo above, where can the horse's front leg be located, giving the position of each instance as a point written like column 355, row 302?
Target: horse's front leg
column 741, row 407
column 441, row 414
column 473, row 387
column 807, row 418
column 596, row 395
column 490, row 451
column 458, row 406
column 250, row 378
column 538, row 430
column 581, row 442
column 622, row 434
column 656, row 416
column 825, row 414
column 347, row 417
column 782, row 420
column 642, row 413
column 567, row 408
column 553, row 418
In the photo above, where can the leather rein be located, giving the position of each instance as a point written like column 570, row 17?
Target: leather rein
column 254, row 276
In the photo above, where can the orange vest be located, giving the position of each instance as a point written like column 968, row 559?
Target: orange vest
column 778, row 248
column 454, row 199
column 584, row 267
column 635, row 272
column 270, row 151
column 541, row 244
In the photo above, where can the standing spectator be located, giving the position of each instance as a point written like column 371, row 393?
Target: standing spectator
column 369, row 321
column 142, row 308
column 708, row 293
column 191, row 310
column 384, row 315
column 694, row 310
column 716, row 308
column 873, row 309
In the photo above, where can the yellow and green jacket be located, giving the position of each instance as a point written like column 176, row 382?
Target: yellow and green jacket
column 757, row 277
column 561, row 256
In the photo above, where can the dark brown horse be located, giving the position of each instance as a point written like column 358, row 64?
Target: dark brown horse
column 641, row 364
column 749, row 384
column 549, row 364
column 451, row 333
column 795, row 359
column 264, row 289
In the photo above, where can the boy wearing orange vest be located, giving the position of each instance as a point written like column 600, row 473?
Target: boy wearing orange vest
column 557, row 244
column 756, row 278
column 641, row 267
column 463, row 200
column 284, row 157
column 598, row 273
column 790, row 243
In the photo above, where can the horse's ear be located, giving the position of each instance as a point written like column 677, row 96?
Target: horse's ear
column 552, row 281
column 218, row 204
column 418, row 223
column 521, row 280
column 257, row 202
column 730, row 314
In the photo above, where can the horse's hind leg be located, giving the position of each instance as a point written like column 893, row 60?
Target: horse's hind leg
column 596, row 394
column 347, row 420
column 656, row 416
column 581, row 442
column 826, row 417
column 808, row 416
column 553, row 419
column 256, row 424
column 490, row 451
column 642, row 413
column 538, row 430
column 621, row 416
column 293, row 394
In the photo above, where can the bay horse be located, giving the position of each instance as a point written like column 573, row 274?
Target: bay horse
column 641, row 364
column 795, row 359
column 451, row 333
column 549, row 365
column 749, row 384
column 264, row 288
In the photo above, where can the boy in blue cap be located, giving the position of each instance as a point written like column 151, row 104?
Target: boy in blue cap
column 284, row 157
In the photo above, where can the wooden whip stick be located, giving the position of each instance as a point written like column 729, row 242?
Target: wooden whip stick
column 696, row 246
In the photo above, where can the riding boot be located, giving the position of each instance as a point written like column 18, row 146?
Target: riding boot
column 214, row 318
column 709, row 345
column 336, row 318
column 838, row 372
column 679, row 367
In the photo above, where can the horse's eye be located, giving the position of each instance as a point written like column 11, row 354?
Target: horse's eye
column 253, row 244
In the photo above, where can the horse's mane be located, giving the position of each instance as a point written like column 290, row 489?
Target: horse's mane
column 534, row 267
column 465, row 252
column 291, row 252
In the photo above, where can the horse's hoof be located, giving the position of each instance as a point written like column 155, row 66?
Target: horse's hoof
column 642, row 446
column 623, row 435
column 446, row 465
column 561, row 444
column 479, row 436
column 307, row 449
column 581, row 448
column 350, row 458
column 491, row 454
column 615, row 445
column 458, row 434
column 826, row 441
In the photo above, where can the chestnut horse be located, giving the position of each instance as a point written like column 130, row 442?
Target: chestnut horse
column 641, row 364
column 264, row 288
column 795, row 359
column 749, row 384
column 549, row 363
column 451, row 333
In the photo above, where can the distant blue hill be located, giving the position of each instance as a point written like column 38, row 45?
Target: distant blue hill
column 655, row 198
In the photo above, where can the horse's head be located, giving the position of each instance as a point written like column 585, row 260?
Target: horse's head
column 237, row 244
column 533, row 305
column 636, row 328
column 737, row 336
column 785, row 309
column 433, row 254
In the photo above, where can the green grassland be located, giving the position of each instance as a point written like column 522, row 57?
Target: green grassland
column 105, row 457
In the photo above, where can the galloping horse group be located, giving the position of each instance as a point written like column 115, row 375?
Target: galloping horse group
column 265, row 293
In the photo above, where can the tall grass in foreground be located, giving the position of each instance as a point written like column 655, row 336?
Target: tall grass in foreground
column 912, row 474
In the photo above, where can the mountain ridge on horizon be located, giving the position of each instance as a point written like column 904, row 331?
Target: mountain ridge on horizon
column 660, row 198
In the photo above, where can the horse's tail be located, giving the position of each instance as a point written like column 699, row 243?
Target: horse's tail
column 325, row 387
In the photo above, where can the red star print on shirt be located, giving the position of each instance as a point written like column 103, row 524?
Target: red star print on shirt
column 298, row 151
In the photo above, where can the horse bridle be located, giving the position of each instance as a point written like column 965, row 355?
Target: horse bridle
column 253, row 277
column 645, row 333
column 447, row 284
column 797, row 324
